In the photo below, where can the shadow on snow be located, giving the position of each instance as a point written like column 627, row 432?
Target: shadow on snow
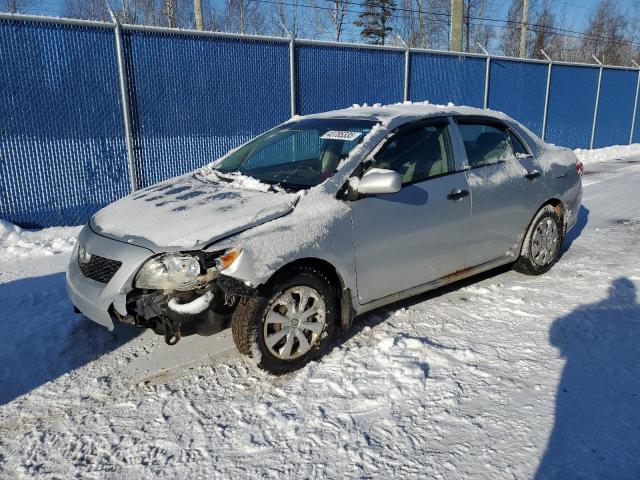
column 41, row 338
column 596, row 433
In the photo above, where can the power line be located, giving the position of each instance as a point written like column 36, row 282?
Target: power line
column 573, row 5
column 482, row 21
column 444, row 18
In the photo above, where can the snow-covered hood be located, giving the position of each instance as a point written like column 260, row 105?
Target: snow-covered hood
column 190, row 211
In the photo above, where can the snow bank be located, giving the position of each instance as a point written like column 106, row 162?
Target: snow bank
column 18, row 243
column 608, row 153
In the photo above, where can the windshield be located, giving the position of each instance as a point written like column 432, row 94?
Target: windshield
column 299, row 154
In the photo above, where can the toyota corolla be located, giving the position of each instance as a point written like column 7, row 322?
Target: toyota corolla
column 325, row 217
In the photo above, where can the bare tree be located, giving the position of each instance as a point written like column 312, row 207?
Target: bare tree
column 424, row 23
column 339, row 9
column 545, row 37
column 284, row 19
column 476, row 31
column 16, row 6
column 634, row 29
column 87, row 9
column 170, row 11
column 173, row 13
column 606, row 34
column 509, row 43
column 242, row 16
column 412, row 23
column 326, row 18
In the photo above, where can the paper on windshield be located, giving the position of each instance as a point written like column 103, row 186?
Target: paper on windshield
column 345, row 135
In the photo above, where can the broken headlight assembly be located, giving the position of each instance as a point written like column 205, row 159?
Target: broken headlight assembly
column 183, row 272
column 170, row 271
column 227, row 259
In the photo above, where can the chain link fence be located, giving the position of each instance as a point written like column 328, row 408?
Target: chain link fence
column 192, row 96
column 62, row 152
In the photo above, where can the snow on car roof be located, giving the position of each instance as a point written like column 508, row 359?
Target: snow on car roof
column 396, row 114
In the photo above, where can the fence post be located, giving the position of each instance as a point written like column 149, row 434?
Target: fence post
column 595, row 110
column 487, row 75
column 407, row 53
column 124, row 100
column 546, row 95
column 635, row 105
column 292, row 75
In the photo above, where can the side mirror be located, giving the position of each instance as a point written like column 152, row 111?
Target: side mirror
column 379, row 180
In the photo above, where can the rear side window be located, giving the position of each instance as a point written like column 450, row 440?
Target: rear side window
column 518, row 147
column 485, row 144
column 418, row 154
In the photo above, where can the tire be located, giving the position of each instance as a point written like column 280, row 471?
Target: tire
column 280, row 300
column 542, row 243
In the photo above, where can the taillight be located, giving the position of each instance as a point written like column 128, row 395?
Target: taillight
column 579, row 167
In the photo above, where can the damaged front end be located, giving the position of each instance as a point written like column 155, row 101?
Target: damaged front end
column 178, row 294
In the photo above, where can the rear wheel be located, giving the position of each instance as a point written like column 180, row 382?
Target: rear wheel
column 542, row 243
column 291, row 323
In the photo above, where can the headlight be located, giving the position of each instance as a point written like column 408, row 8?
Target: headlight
column 171, row 271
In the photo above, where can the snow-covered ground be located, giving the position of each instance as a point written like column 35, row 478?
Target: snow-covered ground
column 502, row 376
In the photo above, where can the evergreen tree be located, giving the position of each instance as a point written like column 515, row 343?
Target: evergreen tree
column 374, row 20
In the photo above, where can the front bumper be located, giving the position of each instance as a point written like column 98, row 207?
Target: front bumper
column 95, row 299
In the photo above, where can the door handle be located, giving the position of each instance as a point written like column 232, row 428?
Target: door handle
column 457, row 194
column 531, row 174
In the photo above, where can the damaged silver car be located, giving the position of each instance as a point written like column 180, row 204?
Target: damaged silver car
column 289, row 237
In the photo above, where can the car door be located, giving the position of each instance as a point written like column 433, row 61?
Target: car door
column 506, row 189
column 418, row 234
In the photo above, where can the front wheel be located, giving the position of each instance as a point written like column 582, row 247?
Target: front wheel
column 542, row 243
column 292, row 322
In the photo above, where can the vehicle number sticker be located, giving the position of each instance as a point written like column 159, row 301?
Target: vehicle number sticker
column 345, row 135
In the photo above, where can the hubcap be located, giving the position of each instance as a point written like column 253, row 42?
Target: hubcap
column 293, row 322
column 545, row 242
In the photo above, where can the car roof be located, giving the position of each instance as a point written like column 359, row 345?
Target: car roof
column 397, row 114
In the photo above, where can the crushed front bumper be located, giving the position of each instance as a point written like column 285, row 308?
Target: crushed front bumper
column 93, row 298
column 116, row 299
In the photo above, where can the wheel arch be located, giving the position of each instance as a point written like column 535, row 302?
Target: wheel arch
column 560, row 209
column 343, row 291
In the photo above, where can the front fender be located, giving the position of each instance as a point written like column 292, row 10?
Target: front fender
column 317, row 229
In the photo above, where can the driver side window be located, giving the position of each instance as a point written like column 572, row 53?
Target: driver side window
column 417, row 154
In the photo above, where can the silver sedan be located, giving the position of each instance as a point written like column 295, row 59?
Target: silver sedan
column 325, row 217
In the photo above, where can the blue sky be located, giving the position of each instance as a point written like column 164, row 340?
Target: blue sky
column 576, row 12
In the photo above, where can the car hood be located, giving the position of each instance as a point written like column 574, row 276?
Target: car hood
column 190, row 212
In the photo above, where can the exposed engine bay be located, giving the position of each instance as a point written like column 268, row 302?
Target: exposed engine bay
column 204, row 310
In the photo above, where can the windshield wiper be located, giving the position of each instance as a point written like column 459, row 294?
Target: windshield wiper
column 222, row 177
column 272, row 185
